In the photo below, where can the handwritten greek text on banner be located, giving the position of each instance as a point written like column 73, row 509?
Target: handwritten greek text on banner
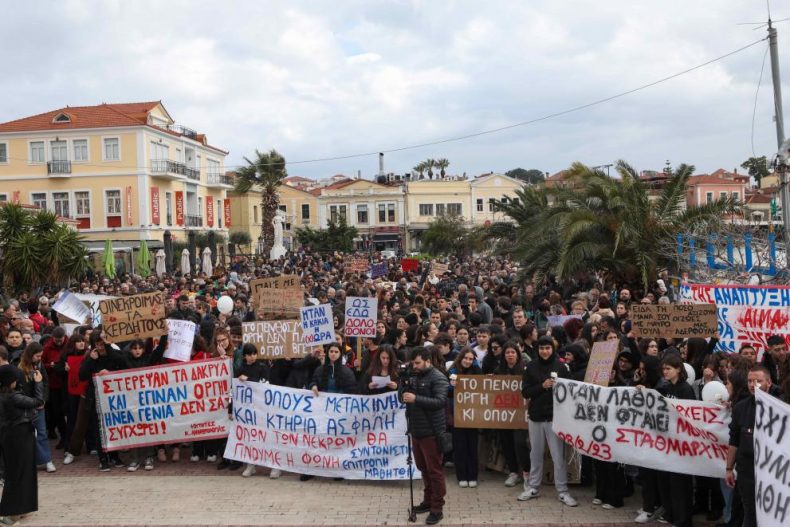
column 175, row 403
column 350, row 436
column 771, row 459
column 642, row 427
column 745, row 314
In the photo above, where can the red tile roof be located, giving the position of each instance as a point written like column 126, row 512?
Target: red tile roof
column 705, row 179
column 100, row 116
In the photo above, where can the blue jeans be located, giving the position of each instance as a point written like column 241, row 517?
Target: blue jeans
column 43, row 453
column 727, row 493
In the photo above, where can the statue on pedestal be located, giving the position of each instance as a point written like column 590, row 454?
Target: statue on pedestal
column 278, row 249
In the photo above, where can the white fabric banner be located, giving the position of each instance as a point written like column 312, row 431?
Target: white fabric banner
column 180, row 336
column 174, row 403
column 642, row 428
column 771, row 461
column 349, row 436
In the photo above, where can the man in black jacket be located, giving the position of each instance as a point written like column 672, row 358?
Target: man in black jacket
column 426, row 399
column 538, row 388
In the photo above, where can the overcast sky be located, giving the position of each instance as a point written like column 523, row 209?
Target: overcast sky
column 322, row 79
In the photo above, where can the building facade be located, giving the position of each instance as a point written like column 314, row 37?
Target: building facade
column 123, row 172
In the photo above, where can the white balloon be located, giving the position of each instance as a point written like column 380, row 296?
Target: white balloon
column 715, row 392
column 225, row 305
column 690, row 372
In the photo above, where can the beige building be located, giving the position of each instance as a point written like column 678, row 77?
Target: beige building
column 123, row 172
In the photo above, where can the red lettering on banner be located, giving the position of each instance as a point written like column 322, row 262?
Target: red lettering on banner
column 765, row 319
column 226, row 209
column 155, row 216
column 209, row 211
column 179, row 207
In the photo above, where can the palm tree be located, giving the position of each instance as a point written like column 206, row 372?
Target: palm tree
column 420, row 168
column 264, row 174
column 430, row 164
column 599, row 223
column 442, row 165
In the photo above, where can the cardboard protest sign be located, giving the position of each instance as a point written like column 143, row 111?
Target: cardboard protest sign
column 771, row 458
column 277, row 297
column 490, row 401
column 355, row 264
column 642, row 427
column 164, row 404
column 439, row 268
column 602, row 357
column 379, row 269
column 673, row 320
column 180, row 336
column 317, row 325
column 409, row 264
column 747, row 314
column 276, row 339
column 361, row 315
column 134, row 317
column 72, row 308
column 334, row 435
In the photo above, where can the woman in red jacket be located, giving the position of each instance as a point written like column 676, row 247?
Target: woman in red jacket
column 56, row 404
column 68, row 366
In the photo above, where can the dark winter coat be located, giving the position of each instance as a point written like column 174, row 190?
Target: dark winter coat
column 427, row 415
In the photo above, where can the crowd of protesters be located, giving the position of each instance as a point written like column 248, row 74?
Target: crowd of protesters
column 477, row 318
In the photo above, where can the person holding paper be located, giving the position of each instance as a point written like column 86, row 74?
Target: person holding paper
column 381, row 374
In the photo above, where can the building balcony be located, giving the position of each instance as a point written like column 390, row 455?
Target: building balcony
column 59, row 168
column 192, row 173
column 193, row 221
column 219, row 181
column 167, row 169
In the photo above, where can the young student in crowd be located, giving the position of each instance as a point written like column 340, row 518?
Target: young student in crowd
column 465, row 440
column 384, row 364
column 251, row 370
column 29, row 363
column 514, row 442
column 69, row 366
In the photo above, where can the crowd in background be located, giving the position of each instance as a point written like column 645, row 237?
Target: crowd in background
column 477, row 318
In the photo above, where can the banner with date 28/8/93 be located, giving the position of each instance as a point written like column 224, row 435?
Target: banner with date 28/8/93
column 336, row 435
column 173, row 403
column 642, row 428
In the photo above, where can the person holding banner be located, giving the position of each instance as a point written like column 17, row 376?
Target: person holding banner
column 677, row 490
column 740, row 456
column 537, row 388
column 465, row 440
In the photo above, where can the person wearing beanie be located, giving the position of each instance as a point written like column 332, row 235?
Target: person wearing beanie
column 538, row 388
column 17, row 411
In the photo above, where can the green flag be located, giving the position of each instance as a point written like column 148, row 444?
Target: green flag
column 144, row 260
column 108, row 260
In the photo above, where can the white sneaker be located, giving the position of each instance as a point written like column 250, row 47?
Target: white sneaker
column 512, row 480
column 473, row 484
column 194, row 459
column 275, row 473
column 642, row 517
column 463, row 484
column 567, row 499
column 249, row 470
column 596, row 501
column 211, row 459
column 149, row 463
column 68, row 459
column 51, row 467
column 607, row 506
column 528, row 494
column 133, row 466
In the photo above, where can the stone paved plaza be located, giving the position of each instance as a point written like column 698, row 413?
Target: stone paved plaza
column 196, row 494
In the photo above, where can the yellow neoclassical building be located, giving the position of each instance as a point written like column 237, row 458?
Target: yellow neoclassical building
column 123, row 172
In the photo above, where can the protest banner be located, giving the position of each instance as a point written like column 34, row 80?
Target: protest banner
column 361, row 315
column 72, row 308
column 134, row 317
column 490, row 401
column 439, row 268
column 642, row 427
column 173, row 403
column 746, row 314
column 409, row 264
column 180, row 336
column 335, row 435
column 379, row 269
column 771, row 460
column 277, row 297
column 602, row 357
column 681, row 321
column 276, row 339
column 558, row 320
column 355, row 264
column 318, row 325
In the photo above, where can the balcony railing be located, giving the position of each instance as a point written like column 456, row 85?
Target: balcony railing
column 218, row 179
column 183, row 130
column 193, row 221
column 165, row 166
column 59, row 167
column 192, row 173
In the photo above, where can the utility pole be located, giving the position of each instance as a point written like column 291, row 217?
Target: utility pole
column 780, row 137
